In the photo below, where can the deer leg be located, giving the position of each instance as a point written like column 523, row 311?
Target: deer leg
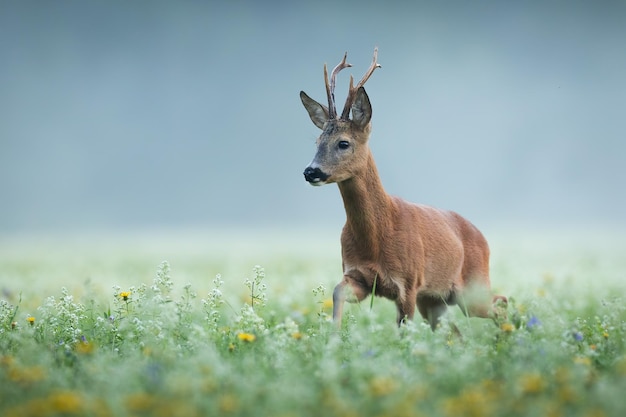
column 499, row 305
column 339, row 297
column 431, row 309
column 501, row 298
column 406, row 307
column 474, row 309
column 406, row 311
column 347, row 290
column 434, row 313
column 481, row 307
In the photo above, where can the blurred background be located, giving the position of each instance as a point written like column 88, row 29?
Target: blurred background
column 146, row 115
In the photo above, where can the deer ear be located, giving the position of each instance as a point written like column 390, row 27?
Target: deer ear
column 361, row 109
column 317, row 112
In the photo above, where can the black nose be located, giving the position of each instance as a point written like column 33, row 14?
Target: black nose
column 314, row 175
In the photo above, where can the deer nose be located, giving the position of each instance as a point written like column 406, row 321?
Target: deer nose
column 314, row 175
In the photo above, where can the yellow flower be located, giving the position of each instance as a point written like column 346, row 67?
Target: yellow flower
column 26, row 376
column 327, row 303
column 7, row 361
column 66, row 402
column 582, row 360
column 228, row 403
column 85, row 348
column 470, row 402
column 381, row 386
column 246, row 337
column 605, row 335
column 567, row 395
column 297, row 335
column 141, row 402
column 125, row 295
column 507, row 327
column 31, row 320
column 532, row 383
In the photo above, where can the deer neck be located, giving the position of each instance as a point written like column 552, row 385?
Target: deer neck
column 368, row 209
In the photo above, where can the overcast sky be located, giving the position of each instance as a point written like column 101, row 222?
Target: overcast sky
column 148, row 115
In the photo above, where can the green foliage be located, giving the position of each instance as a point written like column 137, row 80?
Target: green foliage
column 155, row 349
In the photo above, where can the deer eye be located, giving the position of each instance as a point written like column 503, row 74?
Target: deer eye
column 343, row 144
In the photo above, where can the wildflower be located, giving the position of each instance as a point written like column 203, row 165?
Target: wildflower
column 31, row 320
column 141, row 402
column 26, row 376
column 84, row 347
column 578, row 336
column 381, row 386
column 370, row 353
column 125, row 295
column 566, row 394
column 582, row 360
column 327, row 303
column 471, row 402
column 296, row 335
column 605, row 335
column 533, row 322
column 246, row 337
column 532, row 383
column 66, row 402
column 228, row 403
column 7, row 361
column 507, row 327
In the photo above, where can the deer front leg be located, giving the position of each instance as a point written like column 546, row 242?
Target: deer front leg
column 347, row 290
column 339, row 297
column 405, row 304
column 406, row 311
column 475, row 303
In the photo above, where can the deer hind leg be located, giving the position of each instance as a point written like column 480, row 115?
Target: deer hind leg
column 431, row 308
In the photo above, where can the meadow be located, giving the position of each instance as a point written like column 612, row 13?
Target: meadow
column 236, row 324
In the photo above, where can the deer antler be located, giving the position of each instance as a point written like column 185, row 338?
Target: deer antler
column 330, row 87
column 353, row 89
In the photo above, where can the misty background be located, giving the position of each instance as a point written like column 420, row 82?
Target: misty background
column 142, row 115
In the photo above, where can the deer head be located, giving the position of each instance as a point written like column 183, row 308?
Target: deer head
column 342, row 147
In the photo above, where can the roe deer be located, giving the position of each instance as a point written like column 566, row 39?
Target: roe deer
column 410, row 253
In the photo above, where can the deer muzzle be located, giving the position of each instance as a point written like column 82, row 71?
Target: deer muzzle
column 315, row 176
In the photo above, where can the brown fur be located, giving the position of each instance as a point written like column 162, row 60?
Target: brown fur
column 419, row 256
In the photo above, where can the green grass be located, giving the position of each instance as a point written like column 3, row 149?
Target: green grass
column 117, row 330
